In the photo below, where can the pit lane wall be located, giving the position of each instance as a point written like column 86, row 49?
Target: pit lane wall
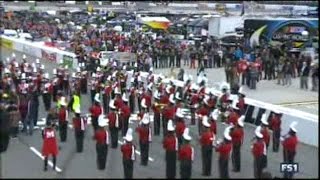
column 307, row 127
column 39, row 50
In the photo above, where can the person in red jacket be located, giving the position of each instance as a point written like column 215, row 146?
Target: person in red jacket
column 186, row 155
column 113, row 118
column 206, row 141
column 63, row 120
column 289, row 143
column 241, row 101
column 170, row 144
column 168, row 113
column 128, row 155
column 47, row 91
column 118, row 102
column 101, row 135
column 224, row 148
column 234, row 115
column 107, row 97
column 266, row 136
column 79, row 125
column 156, row 114
column 201, row 113
column 49, row 146
column 95, row 111
column 145, row 137
column 257, row 149
column 125, row 114
column 180, row 125
column 237, row 135
column 275, row 126
column 213, row 121
column 147, row 95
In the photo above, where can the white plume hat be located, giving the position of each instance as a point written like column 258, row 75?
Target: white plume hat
column 205, row 122
column 241, row 120
column 186, row 135
column 170, row 126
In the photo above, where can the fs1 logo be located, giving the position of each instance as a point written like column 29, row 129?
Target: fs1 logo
column 289, row 167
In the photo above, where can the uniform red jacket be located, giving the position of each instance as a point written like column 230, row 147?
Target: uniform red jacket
column 266, row 135
column 49, row 146
column 211, row 103
column 112, row 119
column 144, row 134
column 290, row 144
column 77, row 123
column 118, row 102
column 275, row 123
column 169, row 112
column 233, row 118
column 186, row 152
column 101, row 136
column 108, row 90
column 164, row 99
column 147, row 97
column 194, row 99
column 127, row 150
column 237, row 135
column 206, row 138
column 180, row 126
column 204, row 111
column 224, row 98
column 257, row 148
column 125, row 111
column 63, row 112
column 170, row 143
column 224, row 149
column 95, row 111
column 213, row 126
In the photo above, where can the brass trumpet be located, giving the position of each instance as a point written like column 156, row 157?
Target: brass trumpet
column 161, row 105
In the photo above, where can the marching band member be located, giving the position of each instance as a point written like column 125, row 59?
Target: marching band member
column 148, row 96
column 186, row 156
column 63, row 120
column 257, row 149
column 168, row 113
column 118, row 102
column 95, row 111
column 49, row 146
column 206, row 141
column 47, row 92
column 180, row 125
column 194, row 101
column 156, row 113
column 202, row 112
column 234, row 114
column 79, row 125
column 132, row 95
column 266, row 136
column 170, row 144
column 101, row 135
column 275, row 126
column 289, row 143
column 213, row 121
column 179, row 103
column 128, row 155
column 107, row 95
column 113, row 119
column 224, row 148
column 237, row 135
column 125, row 114
column 241, row 101
column 145, row 137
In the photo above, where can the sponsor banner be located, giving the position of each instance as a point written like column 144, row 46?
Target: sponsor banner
column 6, row 43
column 49, row 56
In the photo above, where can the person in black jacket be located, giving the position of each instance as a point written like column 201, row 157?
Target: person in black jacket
column 4, row 125
column 315, row 77
column 305, row 70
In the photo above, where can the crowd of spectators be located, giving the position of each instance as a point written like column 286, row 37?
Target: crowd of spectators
column 264, row 62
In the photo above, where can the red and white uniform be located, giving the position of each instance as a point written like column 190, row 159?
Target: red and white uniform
column 49, row 146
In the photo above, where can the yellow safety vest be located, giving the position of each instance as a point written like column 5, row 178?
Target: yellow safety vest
column 76, row 102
